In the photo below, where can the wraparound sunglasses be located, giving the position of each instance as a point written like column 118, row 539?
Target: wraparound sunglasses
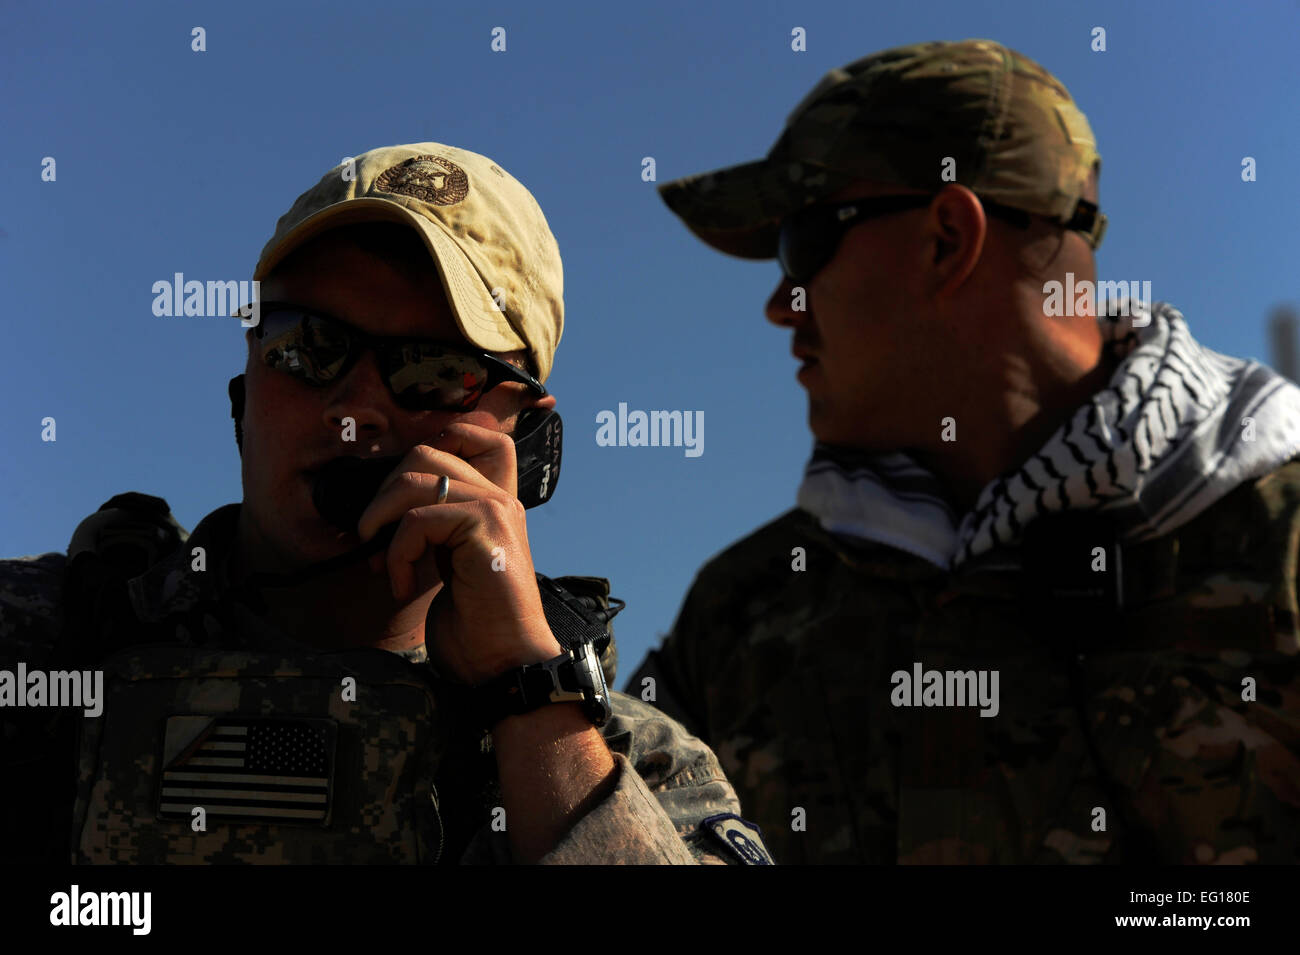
column 423, row 374
column 809, row 237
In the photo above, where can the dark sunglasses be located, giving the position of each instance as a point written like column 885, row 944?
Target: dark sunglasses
column 809, row 237
column 423, row 375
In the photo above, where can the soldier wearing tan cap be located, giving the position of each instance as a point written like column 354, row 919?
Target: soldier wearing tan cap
column 393, row 426
column 1036, row 602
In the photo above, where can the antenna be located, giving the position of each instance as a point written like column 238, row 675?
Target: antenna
column 1282, row 340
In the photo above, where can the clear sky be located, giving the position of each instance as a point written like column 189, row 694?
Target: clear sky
column 170, row 160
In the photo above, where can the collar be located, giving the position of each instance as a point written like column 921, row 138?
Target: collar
column 173, row 586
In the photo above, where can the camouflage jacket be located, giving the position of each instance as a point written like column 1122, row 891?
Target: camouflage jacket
column 1166, row 731
column 408, row 782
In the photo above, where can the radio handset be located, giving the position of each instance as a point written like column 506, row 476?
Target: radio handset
column 539, row 436
column 344, row 488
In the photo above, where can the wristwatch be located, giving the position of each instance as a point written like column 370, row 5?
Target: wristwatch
column 574, row 676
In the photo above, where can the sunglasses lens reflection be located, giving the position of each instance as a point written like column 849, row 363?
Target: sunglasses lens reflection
column 425, row 376
column 431, row 377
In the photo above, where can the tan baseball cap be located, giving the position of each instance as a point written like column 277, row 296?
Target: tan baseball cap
column 483, row 229
column 1013, row 132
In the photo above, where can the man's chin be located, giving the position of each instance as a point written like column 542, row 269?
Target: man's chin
column 822, row 423
column 321, row 541
column 285, row 549
column 829, row 431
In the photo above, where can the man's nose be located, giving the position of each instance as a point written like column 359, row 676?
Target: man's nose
column 362, row 395
column 788, row 306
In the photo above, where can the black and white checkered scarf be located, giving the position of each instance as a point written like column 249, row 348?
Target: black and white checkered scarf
column 1165, row 439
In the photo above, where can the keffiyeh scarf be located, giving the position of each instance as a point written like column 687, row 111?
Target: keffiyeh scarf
column 1166, row 438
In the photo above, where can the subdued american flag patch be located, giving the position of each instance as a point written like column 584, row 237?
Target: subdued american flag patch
column 248, row 769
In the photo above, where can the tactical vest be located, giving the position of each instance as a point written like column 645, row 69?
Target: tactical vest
column 244, row 757
column 238, row 756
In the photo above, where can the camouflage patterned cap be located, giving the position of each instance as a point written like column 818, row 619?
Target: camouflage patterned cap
column 1010, row 126
column 483, row 229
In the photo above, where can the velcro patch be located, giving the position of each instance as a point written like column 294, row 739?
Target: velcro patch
column 248, row 770
column 742, row 839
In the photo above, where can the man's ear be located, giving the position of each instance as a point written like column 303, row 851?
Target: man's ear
column 960, row 216
column 236, row 391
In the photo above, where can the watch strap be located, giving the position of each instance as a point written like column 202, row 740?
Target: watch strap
column 580, row 626
column 574, row 620
column 572, row 677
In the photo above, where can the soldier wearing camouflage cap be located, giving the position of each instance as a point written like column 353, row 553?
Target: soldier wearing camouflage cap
column 358, row 663
column 1037, row 601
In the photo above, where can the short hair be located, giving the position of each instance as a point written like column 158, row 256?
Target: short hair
column 521, row 359
column 1040, row 249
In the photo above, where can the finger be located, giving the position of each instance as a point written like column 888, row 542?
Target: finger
column 411, row 489
column 420, row 530
column 491, row 453
column 426, row 459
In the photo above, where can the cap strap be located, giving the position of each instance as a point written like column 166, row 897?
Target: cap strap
column 1088, row 220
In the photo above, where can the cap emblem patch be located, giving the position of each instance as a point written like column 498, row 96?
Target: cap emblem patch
column 427, row 178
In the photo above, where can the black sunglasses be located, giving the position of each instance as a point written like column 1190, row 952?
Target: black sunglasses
column 809, row 237
column 423, row 374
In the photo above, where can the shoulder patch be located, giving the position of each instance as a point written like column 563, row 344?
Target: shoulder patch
column 742, row 839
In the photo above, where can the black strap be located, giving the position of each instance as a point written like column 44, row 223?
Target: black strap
column 575, row 620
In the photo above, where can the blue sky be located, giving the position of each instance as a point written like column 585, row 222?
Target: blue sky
column 174, row 161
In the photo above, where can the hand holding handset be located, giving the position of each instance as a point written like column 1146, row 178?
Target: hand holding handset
column 345, row 487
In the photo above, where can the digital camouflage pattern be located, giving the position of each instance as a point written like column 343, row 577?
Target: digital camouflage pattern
column 385, row 758
column 412, row 783
column 786, row 673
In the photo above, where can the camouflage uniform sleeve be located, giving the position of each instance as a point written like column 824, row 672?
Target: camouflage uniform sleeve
column 30, row 593
column 1204, row 776
column 669, row 786
column 31, row 625
column 674, row 667
column 31, row 618
column 733, row 592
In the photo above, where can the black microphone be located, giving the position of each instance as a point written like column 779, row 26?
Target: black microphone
column 342, row 491
column 345, row 487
